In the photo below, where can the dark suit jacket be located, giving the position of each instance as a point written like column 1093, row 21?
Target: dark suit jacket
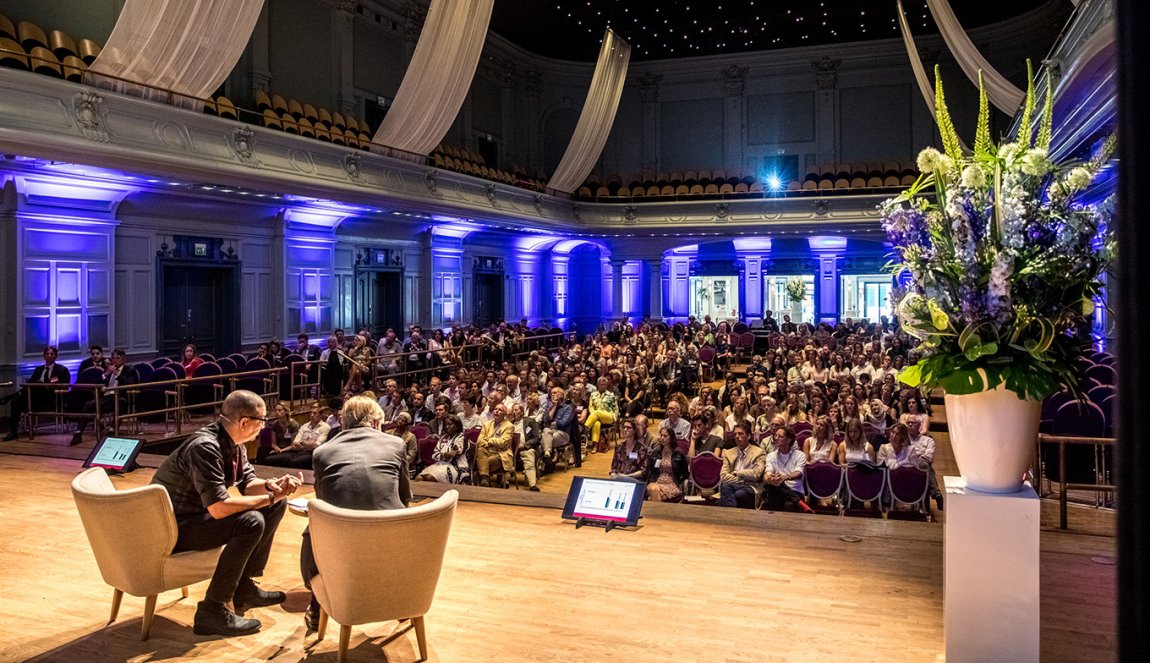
column 422, row 414
column 59, row 374
column 533, row 438
column 362, row 468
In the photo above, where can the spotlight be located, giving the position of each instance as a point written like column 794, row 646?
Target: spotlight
column 774, row 183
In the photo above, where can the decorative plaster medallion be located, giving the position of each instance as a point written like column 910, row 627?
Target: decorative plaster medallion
column 244, row 145
column 351, row 166
column 88, row 111
column 432, row 184
column 722, row 211
column 821, row 207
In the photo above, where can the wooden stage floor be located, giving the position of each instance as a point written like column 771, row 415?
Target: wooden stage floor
column 691, row 584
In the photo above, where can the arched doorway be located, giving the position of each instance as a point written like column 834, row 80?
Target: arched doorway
column 588, row 290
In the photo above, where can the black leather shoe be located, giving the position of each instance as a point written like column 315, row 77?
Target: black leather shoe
column 77, row 438
column 249, row 595
column 311, row 617
column 12, row 435
column 216, row 619
column 938, row 501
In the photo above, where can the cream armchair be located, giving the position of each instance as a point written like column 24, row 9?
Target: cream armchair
column 132, row 533
column 377, row 566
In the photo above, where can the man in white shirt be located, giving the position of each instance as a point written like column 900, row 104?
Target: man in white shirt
column 783, row 480
column 921, row 453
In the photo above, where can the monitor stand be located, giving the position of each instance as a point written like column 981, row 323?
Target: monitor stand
column 608, row 525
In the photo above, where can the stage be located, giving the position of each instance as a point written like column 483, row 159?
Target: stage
column 691, row 583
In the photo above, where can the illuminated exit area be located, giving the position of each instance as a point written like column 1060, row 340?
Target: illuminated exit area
column 865, row 297
column 716, row 296
column 780, row 302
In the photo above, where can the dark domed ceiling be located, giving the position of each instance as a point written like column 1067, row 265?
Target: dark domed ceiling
column 657, row 29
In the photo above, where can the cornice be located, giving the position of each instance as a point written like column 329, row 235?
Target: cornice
column 47, row 118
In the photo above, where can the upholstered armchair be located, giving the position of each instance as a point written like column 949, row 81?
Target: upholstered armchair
column 377, row 566
column 132, row 533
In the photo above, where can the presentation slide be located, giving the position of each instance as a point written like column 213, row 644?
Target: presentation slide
column 604, row 500
column 114, row 453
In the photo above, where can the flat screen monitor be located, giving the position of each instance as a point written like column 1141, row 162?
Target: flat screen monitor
column 115, row 453
column 605, row 500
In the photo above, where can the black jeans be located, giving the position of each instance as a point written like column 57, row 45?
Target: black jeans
column 247, row 540
column 780, row 497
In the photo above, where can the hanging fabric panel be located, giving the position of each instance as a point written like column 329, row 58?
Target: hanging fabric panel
column 438, row 78
column 597, row 117
column 186, row 48
column 920, row 76
column 1001, row 92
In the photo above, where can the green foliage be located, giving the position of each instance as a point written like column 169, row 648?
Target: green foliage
column 983, row 148
column 1046, row 126
column 1025, row 128
column 950, row 142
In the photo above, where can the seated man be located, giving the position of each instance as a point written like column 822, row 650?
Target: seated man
column 742, row 473
column 680, row 426
column 702, row 439
column 530, row 442
column 197, row 476
column 493, row 448
column 116, row 374
column 363, row 468
column 922, row 455
column 783, row 479
column 557, row 422
column 307, row 439
column 49, row 373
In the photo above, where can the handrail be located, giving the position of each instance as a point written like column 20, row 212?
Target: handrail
column 1062, row 441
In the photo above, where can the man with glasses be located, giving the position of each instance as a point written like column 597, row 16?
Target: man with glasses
column 197, row 476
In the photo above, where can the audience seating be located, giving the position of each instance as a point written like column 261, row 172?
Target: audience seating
column 909, row 486
column 132, row 533
column 705, row 477
column 864, row 484
column 377, row 566
column 824, row 481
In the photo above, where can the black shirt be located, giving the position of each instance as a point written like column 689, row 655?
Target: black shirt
column 199, row 473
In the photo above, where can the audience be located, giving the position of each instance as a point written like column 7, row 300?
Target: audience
column 742, row 474
column 666, row 469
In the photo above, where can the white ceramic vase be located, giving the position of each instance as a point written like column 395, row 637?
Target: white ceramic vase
column 993, row 435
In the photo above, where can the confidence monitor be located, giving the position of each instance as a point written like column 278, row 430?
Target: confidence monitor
column 604, row 502
column 117, row 454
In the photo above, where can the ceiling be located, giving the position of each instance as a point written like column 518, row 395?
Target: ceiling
column 659, row 29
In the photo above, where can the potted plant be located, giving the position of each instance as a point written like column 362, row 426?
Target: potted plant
column 796, row 289
column 1001, row 263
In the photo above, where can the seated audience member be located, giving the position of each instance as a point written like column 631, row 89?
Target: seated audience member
column 493, row 449
column 558, row 421
column 603, row 409
column 190, row 361
column 451, row 464
column 783, row 477
column 680, row 426
column 742, row 473
column 419, row 411
column 922, row 455
column 198, row 476
column 530, row 444
column 442, row 408
column 95, row 359
column 116, row 374
column 854, row 448
column 305, row 349
column 896, row 452
column 364, row 469
column 630, row 458
column 401, row 428
column 284, row 428
column 820, row 446
column 702, row 439
column 391, row 402
column 48, row 373
column 667, row 469
column 913, row 412
column 469, row 417
column 307, row 439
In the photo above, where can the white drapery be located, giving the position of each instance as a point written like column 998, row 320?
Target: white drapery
column 597, row 117
column 1001, row 92
column 924, row 85
column 187, row 47
column 438, row 78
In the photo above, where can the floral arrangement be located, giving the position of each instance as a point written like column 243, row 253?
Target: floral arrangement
column 1002, row 264
column 796, row 289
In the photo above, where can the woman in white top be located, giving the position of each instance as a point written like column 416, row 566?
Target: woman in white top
column 820, row 446
column 739, row 413
column 818, row 373
column 913, row 411
column 855, row 448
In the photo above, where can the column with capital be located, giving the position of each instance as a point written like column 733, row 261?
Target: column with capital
column 655, row 283
column 616, row 289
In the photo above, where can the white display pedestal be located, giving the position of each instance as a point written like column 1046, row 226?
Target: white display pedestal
column 991, row 584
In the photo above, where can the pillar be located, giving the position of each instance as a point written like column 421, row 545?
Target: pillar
column 826, row 108
column 616, row 289
column 649, row 95
column 734, row 78
column 343, row 55
column 655, row 288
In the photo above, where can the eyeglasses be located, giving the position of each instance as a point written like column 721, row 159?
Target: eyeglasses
column 263, row 420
